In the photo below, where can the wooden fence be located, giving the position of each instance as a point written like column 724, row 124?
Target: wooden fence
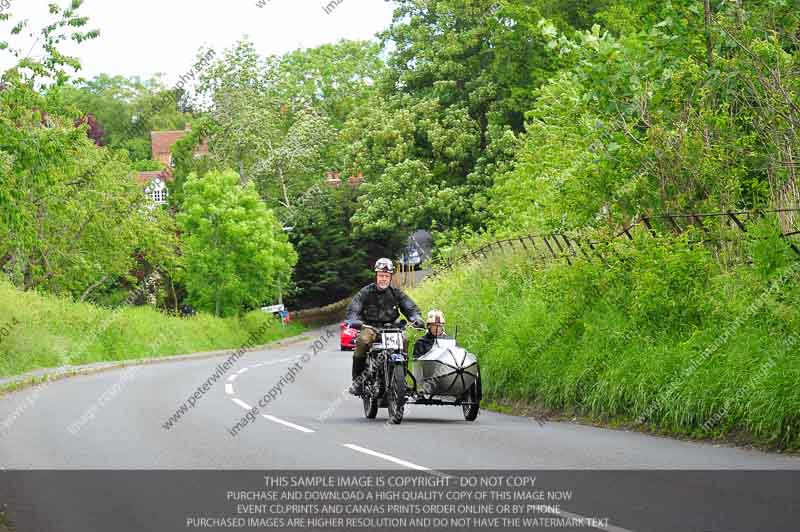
column 714, row 228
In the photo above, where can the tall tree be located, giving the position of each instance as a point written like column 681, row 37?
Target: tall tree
column 333, row 263
column 235, row 253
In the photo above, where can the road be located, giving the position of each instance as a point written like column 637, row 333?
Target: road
column 118, row 419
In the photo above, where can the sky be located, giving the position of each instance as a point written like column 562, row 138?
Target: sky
column 143, row 37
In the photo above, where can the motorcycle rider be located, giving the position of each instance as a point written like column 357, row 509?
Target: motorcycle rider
column 435, row 323
column 376, row 304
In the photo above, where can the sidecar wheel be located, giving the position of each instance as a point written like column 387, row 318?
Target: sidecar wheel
column 471, row 411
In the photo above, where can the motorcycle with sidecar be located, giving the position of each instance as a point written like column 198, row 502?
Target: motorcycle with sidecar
column 447, row 375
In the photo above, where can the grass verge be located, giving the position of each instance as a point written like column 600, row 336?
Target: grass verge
column 38, row 331
column 663, row 338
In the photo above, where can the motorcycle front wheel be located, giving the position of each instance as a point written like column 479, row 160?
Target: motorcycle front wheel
column 396, row 394
column 370, row 406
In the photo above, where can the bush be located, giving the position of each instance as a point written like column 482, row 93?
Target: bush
column 663, row 335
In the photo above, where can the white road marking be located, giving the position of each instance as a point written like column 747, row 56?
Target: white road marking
column 287, row 423
column 386, row 457
column 281, row 361
column 241, row 403
column 229, row 390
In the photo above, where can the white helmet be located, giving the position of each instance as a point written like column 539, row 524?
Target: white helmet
column 435, row 316
column 384, row 265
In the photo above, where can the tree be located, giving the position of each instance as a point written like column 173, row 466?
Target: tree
column 275, row 119
column 50, row 70
column 405, row 198
column 72, row 212
column 333, row 78
column 333, row 263
column 185, row 162
column 72, row 217
column 235, row 253
column 461, row 76
column 294, row 162
column 128, row 109
column 638, row 119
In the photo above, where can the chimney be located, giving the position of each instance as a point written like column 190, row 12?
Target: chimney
column 355, row 180
column 332, row 179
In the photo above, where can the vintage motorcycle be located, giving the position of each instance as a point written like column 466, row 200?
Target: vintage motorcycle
column 446, row 375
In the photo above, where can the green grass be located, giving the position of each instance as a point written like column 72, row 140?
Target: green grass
column 51, row 332
column 618, row 343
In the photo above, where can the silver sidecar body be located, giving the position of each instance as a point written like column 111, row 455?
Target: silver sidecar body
column 445, row 370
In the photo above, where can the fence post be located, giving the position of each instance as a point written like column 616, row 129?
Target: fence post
column 700, row 222
column 535, row 249
column 627, row 233
column 674, row 224
column 580, row 247
column 738, row 223
column 602, row 258
column 570, row 246
column 560, row 249
column 549, row 247
column 646, row 222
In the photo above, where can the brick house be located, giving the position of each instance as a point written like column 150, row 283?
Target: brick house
column 161, row 142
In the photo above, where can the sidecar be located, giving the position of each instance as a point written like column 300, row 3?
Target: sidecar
column 448, row 375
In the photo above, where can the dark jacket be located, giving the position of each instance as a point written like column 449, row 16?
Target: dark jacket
column 375, row 307
column 425, row 344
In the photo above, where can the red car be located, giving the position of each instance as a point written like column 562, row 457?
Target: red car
column 347, row 338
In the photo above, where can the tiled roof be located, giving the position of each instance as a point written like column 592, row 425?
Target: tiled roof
column 161, row 144
column 146, row 177
column 162, row 141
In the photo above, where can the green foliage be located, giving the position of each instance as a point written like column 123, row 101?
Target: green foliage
column 332, row 263
column 49, row 66
column 185, row 162
column 269, row 118
column 54, row 330
column 335, row 79
column 640, row 119
column 620, row 342
column 73, row 215
column 461, row 76
column 407, row 197
column 293, row 161
column 127, row 108
column 770, row 252
column 235, row 252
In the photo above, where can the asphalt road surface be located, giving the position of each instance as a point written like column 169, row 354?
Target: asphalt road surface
column 131, row 419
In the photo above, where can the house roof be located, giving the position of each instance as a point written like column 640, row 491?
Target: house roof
column 162, row 141
column 146, row 177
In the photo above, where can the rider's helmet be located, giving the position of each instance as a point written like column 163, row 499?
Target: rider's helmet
column 435, row 316
column 384, row 265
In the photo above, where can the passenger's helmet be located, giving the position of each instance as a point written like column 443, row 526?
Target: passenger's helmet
column 435, row 316
column 384, row 265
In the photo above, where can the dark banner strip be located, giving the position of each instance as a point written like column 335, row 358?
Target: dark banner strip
column 618, row 501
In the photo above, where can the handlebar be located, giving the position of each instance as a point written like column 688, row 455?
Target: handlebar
column 401, row 324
